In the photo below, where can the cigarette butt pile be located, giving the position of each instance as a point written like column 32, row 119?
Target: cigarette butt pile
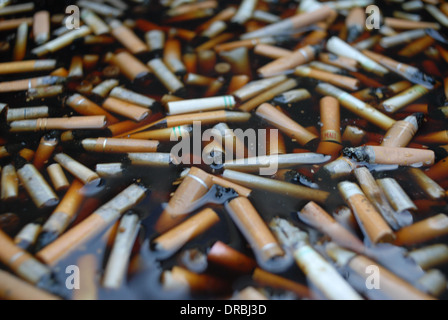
column 172, row 148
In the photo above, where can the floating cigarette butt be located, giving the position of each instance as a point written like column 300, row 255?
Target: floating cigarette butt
column 29, row 84
column 285, row 124
column 227, row 257
column 117, row 264
column 249, row 293
column 293, row 23
column 180, row 278
column 422, row 231
column 162, row 134
column 271, row 280
column 417, row 46
column 316, row 268
column 9, row 183
column 202, row 104
column 17, row 9
column 27, row 236
column 35, row 185
column 104, row 88
column 166, row 77
column 275, row 186
column 330, row 118
column 21, row 262
column 437, row 14
column 155, row 40
column 369, row 219
column 431, row 188
column 57, row 177
column 318, row 218
column 127, row 37
column 94, row 22
column 47, row 145
column 278, row 161
column 402, row 132
column 344, row 82
column 114, row 145
column 11, row 24
column 403, row 99
column 77, row 169
column 93, row 225
column 132, row 97
column 195, row 185
column 110, row 170
column 357, row 106
column 43, row 124
column 27, row 66
column 390, row 285
column 397, row 197
column 61, row 42
column 242, row 191
column 292, row 97
column 172, row 56
column 402, row 24
column 86, row 107
column 355, row 24
column 289, row 62
column 152, row 159
column 439, row 137
column 432, row 282
column 76, row 68
column 376, row 196
column 353, row 135
column 207, row 60
column 402, row 38
column 254, row 229
column 339, row 47
column 131, row 67
column 172, row 240
column 43, row 92
column 126, row 109
column 13, row 288
column 430, row 256
column 27, row 113
column 342, row 62
column 407, row 71
column 391, row 155
column 270, row 51
column 438, row 172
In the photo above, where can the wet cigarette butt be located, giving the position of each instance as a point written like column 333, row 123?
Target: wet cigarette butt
column 402, row 132
column 431, row 188
column 98, row 26
column 402, row 24
column 255, row 230
column 206, row 61
column 355, row 24
column 88, row 265
column 369, row 219
column 353, row 135
column 165, row 76
column 430, row 256
column 126, row 109
column 265, row 278
column 104, row 88
column 76, row 69
column 127, row 37
column 270, row 51
column 201, row 104
column 397, row 197
column 131, row 67
column 13, row 288
column 27, row 113
column 227, row 257
column 404, row 98
column 132, row 97
column 422, row 231
column 36, row 186
column 255, row 88
column 77, row 169
column 239, row 60
column 27, row 66
column 193, row 187
column 19, row 51
column 9, row 183
column 172, row 56
column 344, row 82
column 175, row 238
column 114, row 145
column 93, row 225
column 43, row 124
column 161, row 134
column 57, row 177
column 43, row 153
column 339, row 61
column 391, row 155
column 438, row 172
column 11, row 24
column 330, row 118
column 86, row 107
column 285, row 124
column 439, row 137
column 27, row 237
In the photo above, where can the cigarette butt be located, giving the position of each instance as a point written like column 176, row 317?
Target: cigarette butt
column 165, row 76
column 255, row 230
column 27, row 66
column 36, row 186
column 132, row 97
column 27, row 236
column 330, row 118
column 127, row 37
column 438, row 172
column 98, row 26
column 402, row 132
column 43, row 153
column 242, row 191
column 270, row 51
column 19, row 51
column 277, row 282
column 131, row 67
column 396, row 196
column 369, row 219
column 318, row 218
column 172, row 240
column 344, row 82
column 77, row 169
column 395, row 156
column 423, row 231
column 27, row 113
column 114, row 145
column 194, row 186
column 104, row 88
column 21, row 262
column 430, row 256
column 126, row 109
column 285, row 124
column 86, row 107
column 9, row 183
column 433, row 190
column 93, row 225
column 13, row 288
column 402, row 24
column 88, row 265
column 239, row 60
column 202, row 104
column 227, row 257
column 57, row 177
column 43, row 124
column 11, row 24
column 338, row 61
column 162, row 134
column 255, row 88
column 439, row 137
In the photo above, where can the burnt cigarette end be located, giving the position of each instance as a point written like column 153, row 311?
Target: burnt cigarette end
column 359, row 154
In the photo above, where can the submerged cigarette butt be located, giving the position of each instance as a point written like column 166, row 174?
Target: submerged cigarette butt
column 13, row 288
column 275, row 281
column 422, row 231
column 227, row 257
